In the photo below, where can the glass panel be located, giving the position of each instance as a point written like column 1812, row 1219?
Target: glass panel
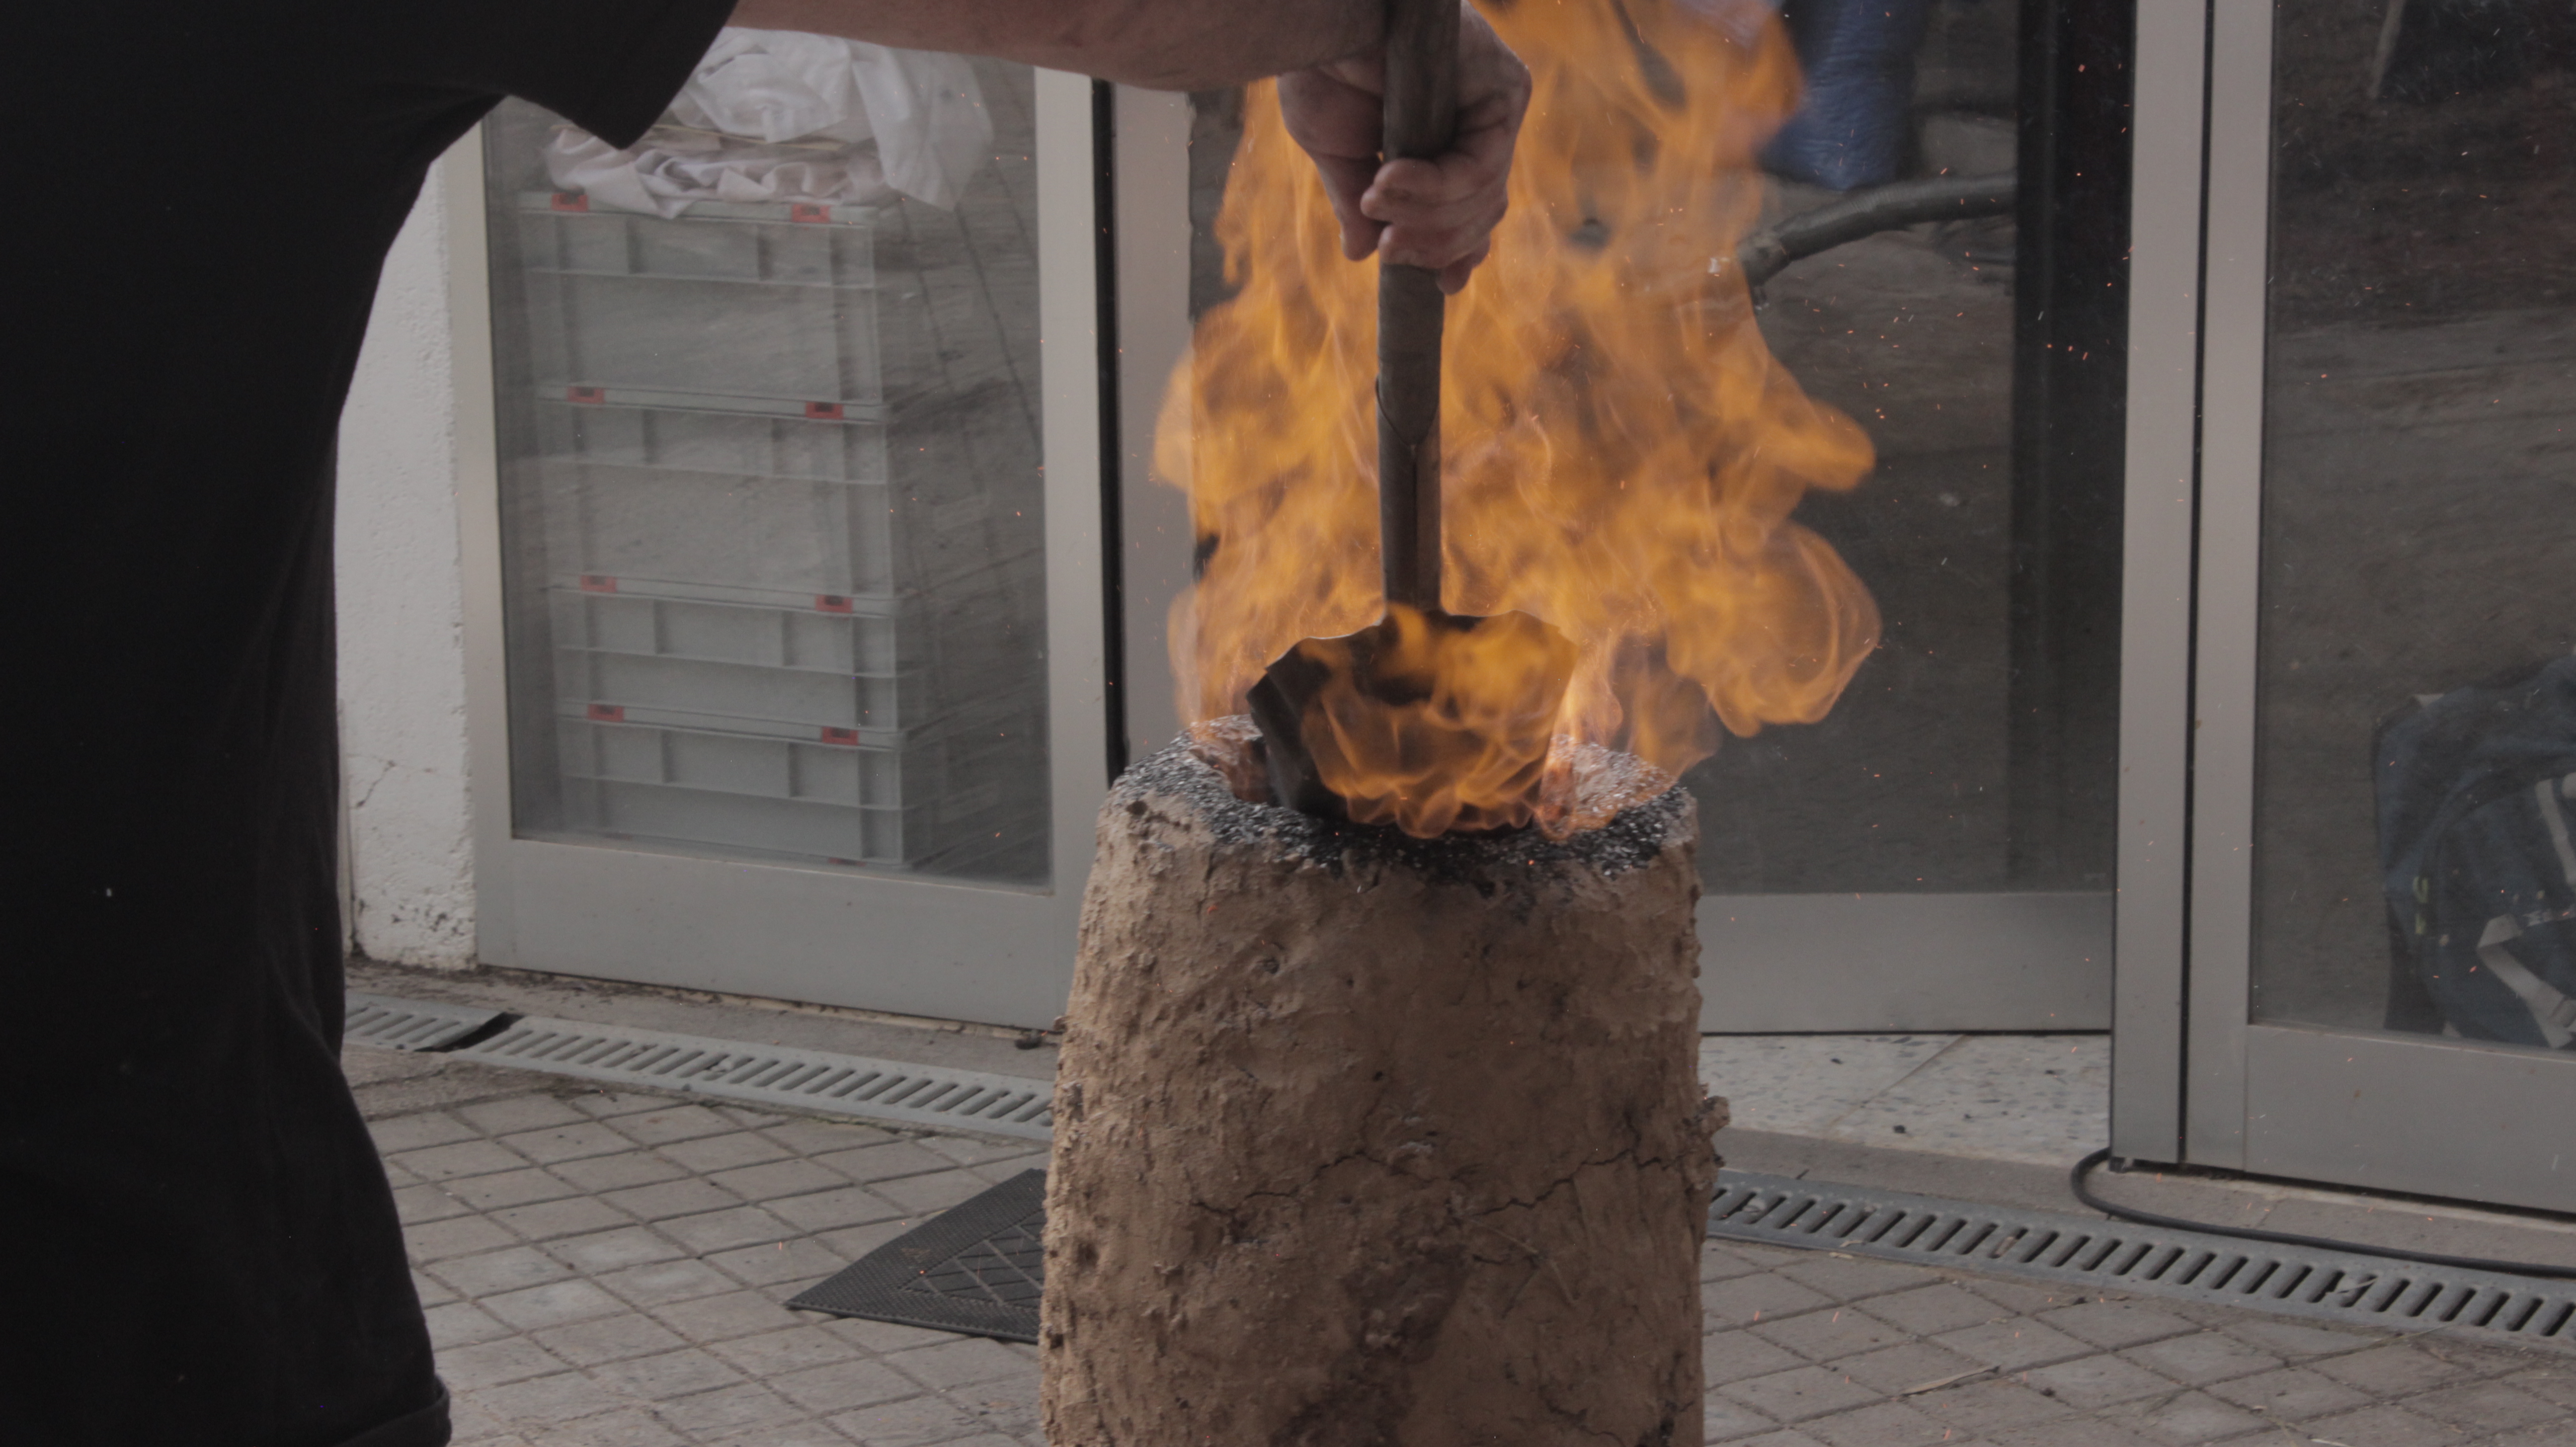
column 770, row 465
column 1975, row 748
column 2417, row 726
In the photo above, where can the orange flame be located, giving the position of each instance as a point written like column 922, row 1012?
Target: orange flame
column 1622, row 450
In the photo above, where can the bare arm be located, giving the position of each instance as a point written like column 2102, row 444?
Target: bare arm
column 1438, row 214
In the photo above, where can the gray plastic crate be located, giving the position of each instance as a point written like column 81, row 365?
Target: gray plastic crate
column 872, row 799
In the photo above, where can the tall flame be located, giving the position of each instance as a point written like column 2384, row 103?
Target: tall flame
column 1622, row 450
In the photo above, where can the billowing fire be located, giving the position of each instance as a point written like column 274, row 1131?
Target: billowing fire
column 1623, row 452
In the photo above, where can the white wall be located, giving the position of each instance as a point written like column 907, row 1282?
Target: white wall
column 402, row 661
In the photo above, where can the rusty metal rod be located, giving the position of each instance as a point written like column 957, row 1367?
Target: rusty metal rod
column 1421, row 123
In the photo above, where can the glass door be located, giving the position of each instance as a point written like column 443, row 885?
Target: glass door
column 799, row 649
column 2384, row 946
column 1933, row 248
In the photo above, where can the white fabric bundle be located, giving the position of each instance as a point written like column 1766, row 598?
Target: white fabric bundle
column 779, row 115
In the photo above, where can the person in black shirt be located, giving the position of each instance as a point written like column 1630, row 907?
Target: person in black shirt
column 203, row 1247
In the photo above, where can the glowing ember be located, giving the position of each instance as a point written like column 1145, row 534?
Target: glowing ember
column 1623, row 452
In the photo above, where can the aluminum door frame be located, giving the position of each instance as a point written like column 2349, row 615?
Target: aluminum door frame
column 904, row 945
column 1818, row 962
column 2386, row 1111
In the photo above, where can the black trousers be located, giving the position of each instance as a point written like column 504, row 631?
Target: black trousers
column 201, row 1245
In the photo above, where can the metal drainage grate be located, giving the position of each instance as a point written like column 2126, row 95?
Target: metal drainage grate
column 976, row 1268
column 390, row 1024
column 2346, row 1287
column 809, row 1080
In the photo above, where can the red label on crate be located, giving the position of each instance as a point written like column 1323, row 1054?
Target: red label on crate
column 808, row 211
column 592, row 395
column 824, row 411
column 571, row 201
column 831, row 603
column 840, row 736
column 598, row 583
column 608, row 713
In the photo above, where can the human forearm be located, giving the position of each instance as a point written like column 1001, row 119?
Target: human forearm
column 1158, row 44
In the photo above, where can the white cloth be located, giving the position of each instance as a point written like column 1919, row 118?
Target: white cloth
column 779, row 115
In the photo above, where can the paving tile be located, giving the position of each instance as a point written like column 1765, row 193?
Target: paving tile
column 462, row 1323
column 707, row 1155
column 603, row 1104
column 2115, row 1324
column 1721, row 1263
column 493, row 1272
column 815, row 1433
column 1829, row 1334
column 666, row 1282
column 2291, row 1394
column 597, row 1253
column 724, row 1318
column 833, row 1209
column 630, row 1167
column 1727, row 1419
column 546, row 1401
column 558, row 1143
column 554, row 1220
column 726, row 1411
column 459, row 1236
column 1990, row 1404
column 2383, row 1426
column 2071, row 1432
column 886, row 1162
column 552, row 1304
column 1928, row 1310
column 2393, row 1370
column 2554, row 1381
column 1908, row 1366
column 671, row 1123
column 958, row 1361
column 774, row 1179
column 687, row 1196
column 1748, row 1299
column 713, row 1231
column 982, row 1150
column 1885, row 1424
column 2013, row 1344
column 2490, row 1405
column 1785, row 1437
column 2096, row 1381
column 2201, row 1358
column 517, row 1113
column 430, row 1290
column 800, row 1261
column 1800, row 1393
column 876, row 1336
column 2026, row 1298
column 631, row 1427
column 421, row 1204
column 1733, row 1356
column 842, row 1386
column 509, row 1188
column 2294, row 1340
column 2188, row 1418
column 852, row 1242
column 462, row 1159
column 397, row 1134
column 492, row 1363
column 807, row 1137
column 934, row 1192
column 787, row 1350
column 1846, row 1279
column 681, row 1373
column 608, row 1339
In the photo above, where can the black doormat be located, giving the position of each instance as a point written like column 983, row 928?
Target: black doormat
column 976, row 1268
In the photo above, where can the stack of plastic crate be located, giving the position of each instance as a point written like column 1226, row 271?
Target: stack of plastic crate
column 791, row 508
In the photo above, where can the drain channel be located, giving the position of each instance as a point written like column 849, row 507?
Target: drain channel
column 390, row 1024
column 799, row 1080
column 2356, row 1290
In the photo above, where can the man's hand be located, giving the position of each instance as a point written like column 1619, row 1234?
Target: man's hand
column 1438, row 214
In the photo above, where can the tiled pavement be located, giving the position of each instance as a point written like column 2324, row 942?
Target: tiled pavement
column 609, row 1270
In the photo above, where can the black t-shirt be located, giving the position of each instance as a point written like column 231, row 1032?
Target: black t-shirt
column 200, row 195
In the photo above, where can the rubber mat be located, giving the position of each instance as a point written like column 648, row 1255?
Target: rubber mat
column 976, row 1268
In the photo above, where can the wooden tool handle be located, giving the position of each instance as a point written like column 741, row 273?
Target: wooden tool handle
column 1421, row 122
